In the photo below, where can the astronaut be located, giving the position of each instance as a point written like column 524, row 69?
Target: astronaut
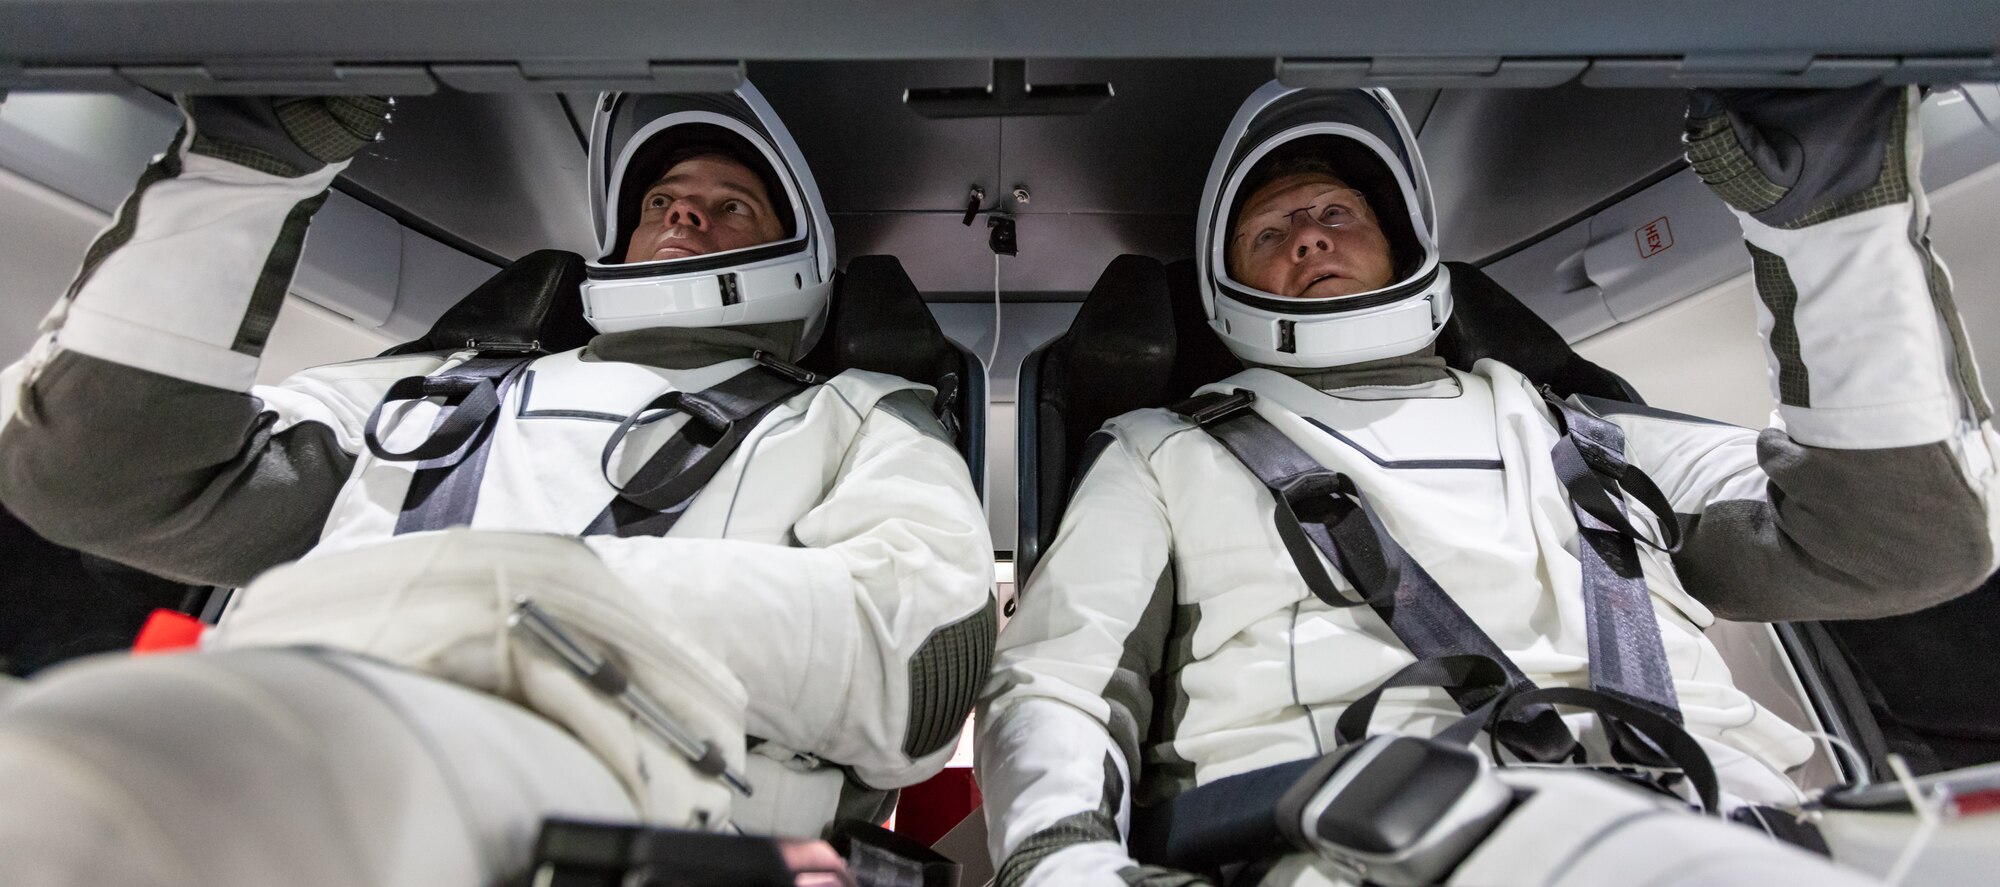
column 829, row 581
column 1200, row 615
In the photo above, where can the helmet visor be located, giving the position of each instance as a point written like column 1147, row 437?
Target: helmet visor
column 633, row 150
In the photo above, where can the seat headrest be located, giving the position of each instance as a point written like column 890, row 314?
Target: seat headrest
column 535, row 299
column 877, row 320
column 1117, row 356
column 1201, row 358
column 1487, row 321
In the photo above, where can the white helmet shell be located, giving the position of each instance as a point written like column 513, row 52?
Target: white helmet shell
column 1267, row 328
column 785, row 280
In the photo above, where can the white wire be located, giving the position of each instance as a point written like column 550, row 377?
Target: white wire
column 1960, row 89
column 993, row 355
column 1855, row 764
column 1926, row 809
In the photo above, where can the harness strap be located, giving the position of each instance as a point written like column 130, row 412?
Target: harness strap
column 1255, row 815
column 1628, row 660
column 720, row 418
column 1321, row 510
column 1673, row 742
column 471, row 398
column 1466, row 670
column 452, row 459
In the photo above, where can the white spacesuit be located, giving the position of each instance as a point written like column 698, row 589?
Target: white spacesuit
column 829, row 585
column 1173, row 636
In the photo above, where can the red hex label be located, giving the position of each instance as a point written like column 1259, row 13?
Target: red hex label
column 1654, row 237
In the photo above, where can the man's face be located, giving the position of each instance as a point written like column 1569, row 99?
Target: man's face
column 1281, row 243
column 705, row 204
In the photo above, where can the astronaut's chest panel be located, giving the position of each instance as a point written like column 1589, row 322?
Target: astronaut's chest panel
column 1433, row 468
column 553, row 465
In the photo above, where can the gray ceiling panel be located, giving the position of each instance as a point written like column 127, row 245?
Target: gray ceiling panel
column 502, row 172
column 1147, row 150
column 1060, row 255
column 67, row 32
column 1507, row 165
column 867, row 151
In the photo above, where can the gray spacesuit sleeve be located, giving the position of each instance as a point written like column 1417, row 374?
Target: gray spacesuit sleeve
column 195, row 483
column 1875, row 494
column 1774, row 529
column 131, row 429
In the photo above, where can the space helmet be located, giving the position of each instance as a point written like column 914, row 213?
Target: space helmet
column 632, row 138
column 1362, row 134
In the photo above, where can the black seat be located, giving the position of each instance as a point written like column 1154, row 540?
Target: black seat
column 876, row 320
column 535, row 300
column 1142, row 339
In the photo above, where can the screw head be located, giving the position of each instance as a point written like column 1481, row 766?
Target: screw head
column 1021, row 196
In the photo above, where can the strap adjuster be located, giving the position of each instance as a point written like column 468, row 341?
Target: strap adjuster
column 510, row 347
column 794, row 372
column 1215, row 406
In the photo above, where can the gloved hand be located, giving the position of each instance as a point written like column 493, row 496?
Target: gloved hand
column 285, row 135
column 1795, row 157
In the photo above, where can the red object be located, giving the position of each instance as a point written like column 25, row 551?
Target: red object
column 929, row 809
column 1654, row 237
column 167, row 631
column 1977, row 802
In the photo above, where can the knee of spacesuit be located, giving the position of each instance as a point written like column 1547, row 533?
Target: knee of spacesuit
column 443, row 604
column 277, row 766
column 1576, row 828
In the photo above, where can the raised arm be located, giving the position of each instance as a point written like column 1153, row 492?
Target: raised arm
column 1876, row 496
column 131, row 429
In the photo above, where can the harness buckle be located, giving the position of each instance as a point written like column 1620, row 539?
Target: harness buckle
column 790, row 371
column 1215, row 406
column 509, row 347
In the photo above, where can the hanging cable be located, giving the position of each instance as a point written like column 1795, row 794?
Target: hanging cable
column 993, row 355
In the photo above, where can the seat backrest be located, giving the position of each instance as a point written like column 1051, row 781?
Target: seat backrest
column 1487, row 321
column 876, row 320
column 1133, row 344
column 534, row 300
column 1141, row 339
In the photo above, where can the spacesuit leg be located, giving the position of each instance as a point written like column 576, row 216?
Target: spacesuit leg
column 278, row 766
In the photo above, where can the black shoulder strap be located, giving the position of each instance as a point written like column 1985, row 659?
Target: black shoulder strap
column 452, row 460
column 1320, row 509
column 720, row 418
column 1628, row 661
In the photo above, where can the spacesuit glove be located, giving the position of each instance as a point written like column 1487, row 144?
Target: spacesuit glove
column 1795, row 157
column 285, row 135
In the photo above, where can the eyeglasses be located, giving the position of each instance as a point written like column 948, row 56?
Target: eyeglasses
column 1333, row 208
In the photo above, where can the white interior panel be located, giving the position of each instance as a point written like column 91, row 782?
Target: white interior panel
column 1699, row 356
column 89, row 146
column 307, row 335
column 353, row 257
column 1702, row 355
column 42, row 238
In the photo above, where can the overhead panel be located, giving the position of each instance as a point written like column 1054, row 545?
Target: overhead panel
column 1145, row 151
column 868, row 152
column 502, row 174
column 1508, row 165
column 89, row 147
column 38, row 36
column 1549, row 277
column 1662, row 244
